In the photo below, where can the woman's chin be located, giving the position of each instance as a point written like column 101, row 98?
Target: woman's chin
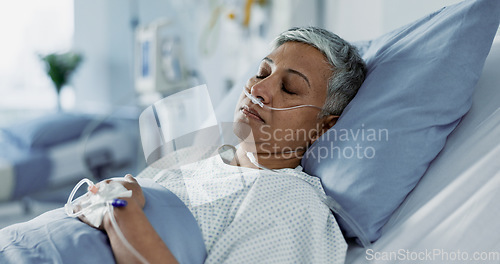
column 242, row 129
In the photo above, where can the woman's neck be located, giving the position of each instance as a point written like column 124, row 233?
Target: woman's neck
column 267, row 160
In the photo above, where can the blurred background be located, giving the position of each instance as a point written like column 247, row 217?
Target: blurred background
column 76, row 74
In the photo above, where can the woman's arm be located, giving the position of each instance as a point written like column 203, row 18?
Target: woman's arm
column 136, row 228
column 139, row 233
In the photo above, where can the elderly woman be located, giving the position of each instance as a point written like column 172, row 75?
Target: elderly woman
column 277, row 216
column 255, row 205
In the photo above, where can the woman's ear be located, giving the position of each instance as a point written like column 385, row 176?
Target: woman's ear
column 329, row 122
column 325, row 124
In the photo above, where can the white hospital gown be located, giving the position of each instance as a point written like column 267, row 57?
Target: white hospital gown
column 256, row 216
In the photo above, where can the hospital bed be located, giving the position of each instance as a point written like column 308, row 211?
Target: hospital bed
column 453, row 211
column 450, row 216
column 59, row 149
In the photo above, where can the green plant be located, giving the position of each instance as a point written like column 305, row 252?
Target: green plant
column 59, row 67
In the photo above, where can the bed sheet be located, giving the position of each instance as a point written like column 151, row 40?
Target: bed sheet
column 7, row 179
column 26, row 171
column 56, row 238
column 21, row 171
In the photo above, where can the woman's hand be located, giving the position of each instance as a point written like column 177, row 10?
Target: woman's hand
column 131, row 184
column 135, row 227
column 137, row 200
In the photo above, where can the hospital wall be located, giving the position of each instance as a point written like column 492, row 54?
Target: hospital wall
column 104, row 32
column 357, row 20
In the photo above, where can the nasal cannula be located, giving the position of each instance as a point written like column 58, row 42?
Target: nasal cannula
column 110, row 202
column 327, row 200
column 261, row 104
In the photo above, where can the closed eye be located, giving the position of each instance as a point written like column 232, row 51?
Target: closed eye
column 283, row 88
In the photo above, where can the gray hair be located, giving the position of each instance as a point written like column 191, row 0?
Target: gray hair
column 348, row 67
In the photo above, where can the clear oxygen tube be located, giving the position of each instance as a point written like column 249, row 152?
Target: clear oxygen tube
column 108, row 202
column 331, row 203
column 261, row 104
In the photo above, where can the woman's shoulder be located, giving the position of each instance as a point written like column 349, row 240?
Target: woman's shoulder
column 297, row 178
column 289, row 186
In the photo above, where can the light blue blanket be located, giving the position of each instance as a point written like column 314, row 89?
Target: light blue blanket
column 54, row 237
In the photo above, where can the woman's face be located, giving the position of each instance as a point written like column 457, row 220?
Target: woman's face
column 293, row 74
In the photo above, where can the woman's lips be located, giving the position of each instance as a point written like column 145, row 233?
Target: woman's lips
column 251, row 113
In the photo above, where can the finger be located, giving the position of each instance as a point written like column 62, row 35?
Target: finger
column 130, row 178
column 77, row 208
column 104, row 182
column 86, row 221
column 83, row 218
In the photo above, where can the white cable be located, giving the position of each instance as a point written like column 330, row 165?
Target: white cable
column 122, row 237
column 261, row 104
column 252, row 159
column 77, row 186
column 68, row 208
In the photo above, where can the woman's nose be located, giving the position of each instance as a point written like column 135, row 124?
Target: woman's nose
column 263, row 90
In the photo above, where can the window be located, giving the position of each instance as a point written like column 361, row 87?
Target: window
column 30, row 28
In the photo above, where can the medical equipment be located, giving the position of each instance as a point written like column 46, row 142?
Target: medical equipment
column 98, row 201
column 249, row 16
column 160, row 65
column 261, row 104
